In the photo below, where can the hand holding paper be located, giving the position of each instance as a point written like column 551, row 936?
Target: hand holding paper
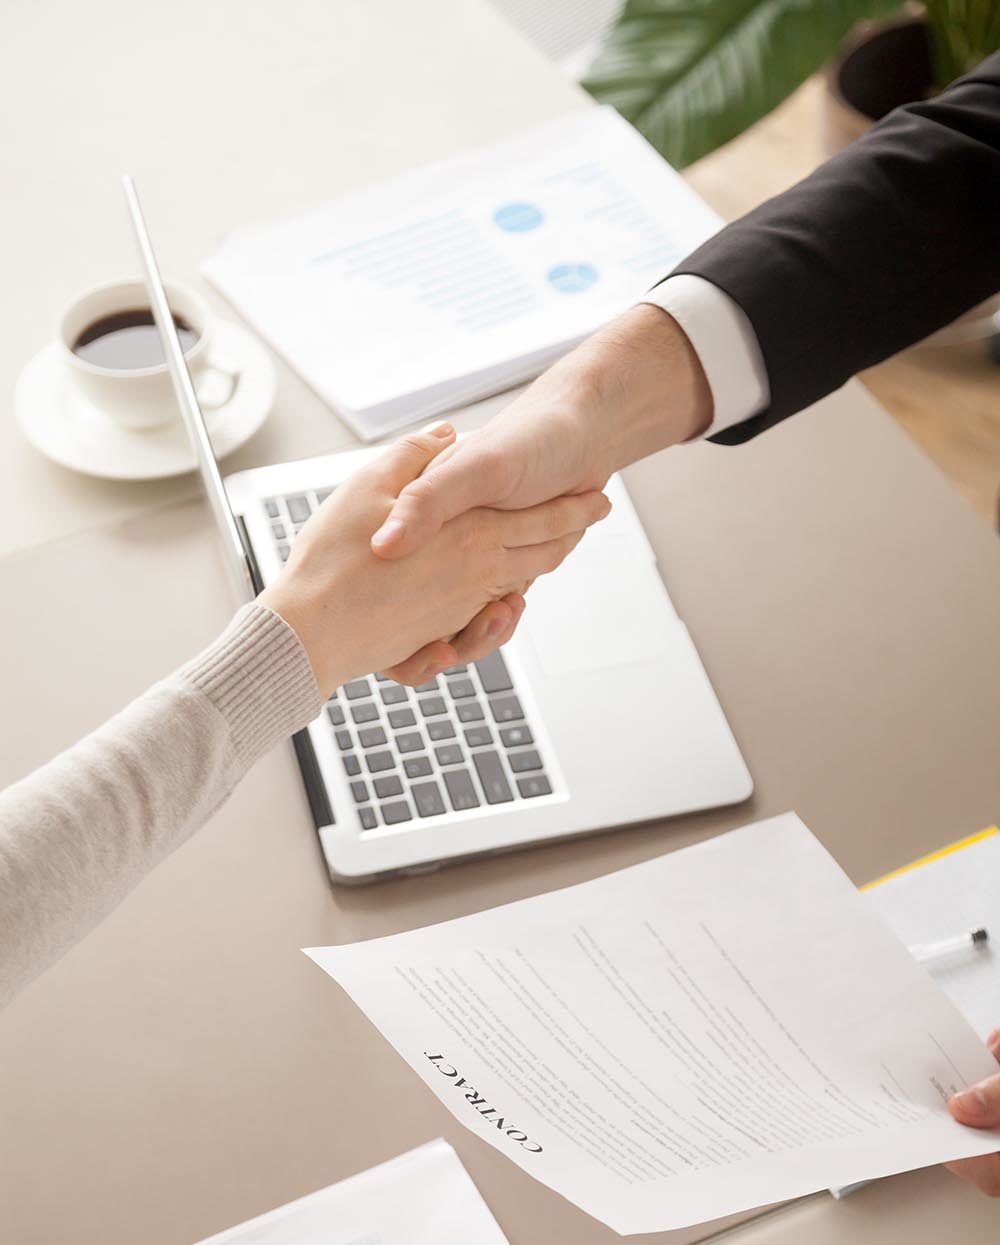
column 713, row 1030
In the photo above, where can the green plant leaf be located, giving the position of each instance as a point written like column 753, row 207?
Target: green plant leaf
column 692, row 74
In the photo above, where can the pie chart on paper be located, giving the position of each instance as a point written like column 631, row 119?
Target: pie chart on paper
column 572, row 278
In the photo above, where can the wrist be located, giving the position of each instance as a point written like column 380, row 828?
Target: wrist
column 315, row 631
column 645, row 386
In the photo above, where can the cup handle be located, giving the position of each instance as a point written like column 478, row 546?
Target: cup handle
column 215, row 386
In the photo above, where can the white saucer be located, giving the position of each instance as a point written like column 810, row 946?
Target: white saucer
column 64, row 425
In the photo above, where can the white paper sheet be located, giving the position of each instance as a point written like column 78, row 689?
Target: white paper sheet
column 424, row 1197
column 720, row 1028
column 466, row 276
column 957, row 892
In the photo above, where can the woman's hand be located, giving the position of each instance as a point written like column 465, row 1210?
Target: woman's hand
column 355, row 612
column 979, row 1107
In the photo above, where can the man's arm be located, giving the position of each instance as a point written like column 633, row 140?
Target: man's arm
column 882, row 245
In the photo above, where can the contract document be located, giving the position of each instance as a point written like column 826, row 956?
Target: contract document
column 723, row 1027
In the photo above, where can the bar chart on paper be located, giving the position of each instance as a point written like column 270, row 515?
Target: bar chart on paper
column 464, row 277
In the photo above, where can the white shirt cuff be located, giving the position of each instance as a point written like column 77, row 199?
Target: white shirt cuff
column 725, row 343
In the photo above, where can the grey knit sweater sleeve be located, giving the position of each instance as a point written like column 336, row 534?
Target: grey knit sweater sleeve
column 78, row 834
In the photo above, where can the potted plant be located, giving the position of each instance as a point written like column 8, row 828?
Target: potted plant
column 691, row 74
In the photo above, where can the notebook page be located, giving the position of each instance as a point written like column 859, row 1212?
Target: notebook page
column 950, row 894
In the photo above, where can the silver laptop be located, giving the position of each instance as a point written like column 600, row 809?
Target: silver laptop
column 597, row 714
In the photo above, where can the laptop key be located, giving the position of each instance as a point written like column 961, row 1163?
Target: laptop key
column 371, row 737
column 378, row 762
column 432, row 706
column 344, row 741
column 399, row 718
column 367, row 711
column 430, row 686
column 283, row 552
column 534, row 784
column 388, row 786
column 441, row 730
column 461, row 689
column 449, row 754
column 392, row 694
column 357, row 689
column 352, row 766
column 521, row 762
column 427, row 797
column 368, row 818
column 493, row 674
column 478, row 736
column 278, row 531
column 359, row 789
column 322, row 494
column 393, row 814
column 491, row 775
column 506, row 709
column 298, row 508
column 335, row 714
column 516, row 737
column 461, row 790
column 417, row 767
column 470, row 711
column 413, row 742
column 453, row 670
column 271, row 506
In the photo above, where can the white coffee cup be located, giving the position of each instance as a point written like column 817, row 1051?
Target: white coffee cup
column 142, row 397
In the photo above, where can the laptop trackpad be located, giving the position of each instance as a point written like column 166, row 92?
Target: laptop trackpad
column 603, row 607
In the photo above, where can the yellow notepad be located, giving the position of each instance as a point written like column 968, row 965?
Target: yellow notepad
column 951, row 891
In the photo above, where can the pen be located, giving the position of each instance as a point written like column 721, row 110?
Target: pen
column 974, row 940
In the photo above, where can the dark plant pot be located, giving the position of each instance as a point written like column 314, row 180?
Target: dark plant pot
column 882, row 66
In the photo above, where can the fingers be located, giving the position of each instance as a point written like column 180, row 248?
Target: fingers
column 979, row 1105
column 403, row 462
column 427, row 663
column 552, row 519
column 531, row 561
column 490, row 629
column 475, row 475
column 983, row 1172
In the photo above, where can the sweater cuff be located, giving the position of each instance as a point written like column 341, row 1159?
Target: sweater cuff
column 257, row 675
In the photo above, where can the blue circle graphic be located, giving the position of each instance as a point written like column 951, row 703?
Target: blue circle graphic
column 518, row 217
column 572, row 278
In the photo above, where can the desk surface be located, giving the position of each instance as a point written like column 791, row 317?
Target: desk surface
column 186, row 1067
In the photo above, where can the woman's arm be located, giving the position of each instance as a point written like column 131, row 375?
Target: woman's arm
column 78, row 834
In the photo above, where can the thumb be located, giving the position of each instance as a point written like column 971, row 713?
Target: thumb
column 467, row 477
column 979, row 1105
column 403, row 462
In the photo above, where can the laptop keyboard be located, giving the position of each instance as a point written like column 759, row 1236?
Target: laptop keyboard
column 456, row 744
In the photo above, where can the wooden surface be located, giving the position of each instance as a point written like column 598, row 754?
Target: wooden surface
column 948, row 404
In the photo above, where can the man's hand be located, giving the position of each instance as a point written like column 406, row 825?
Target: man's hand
column 631, row 389
column 979, row 1107
column 355, row 613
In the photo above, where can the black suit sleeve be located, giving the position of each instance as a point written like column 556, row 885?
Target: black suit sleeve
column 882, row 245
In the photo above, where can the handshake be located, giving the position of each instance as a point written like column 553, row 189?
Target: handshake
column 421, row 561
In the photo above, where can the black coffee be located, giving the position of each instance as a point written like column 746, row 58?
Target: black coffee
column 128, row 340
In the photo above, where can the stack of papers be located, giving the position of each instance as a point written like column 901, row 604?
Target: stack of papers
column 724, row 1027
column 424, row 1197
column 466, row 276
